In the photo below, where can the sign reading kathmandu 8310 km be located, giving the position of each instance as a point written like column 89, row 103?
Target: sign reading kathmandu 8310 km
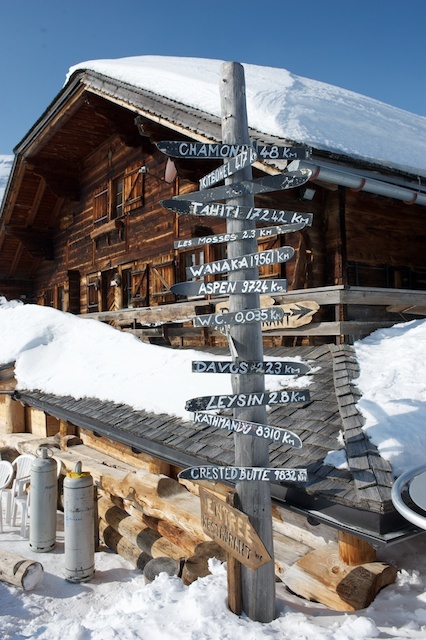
column 245, row 428
column 247, row 234
column 219, row 210
column 207, row 151
column 239, row 400
column 250, row 261
column 236, row 474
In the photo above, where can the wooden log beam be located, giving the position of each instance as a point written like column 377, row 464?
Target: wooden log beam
column 123, row 547
column 19, row 571
column 323, row 577
column 355, row 551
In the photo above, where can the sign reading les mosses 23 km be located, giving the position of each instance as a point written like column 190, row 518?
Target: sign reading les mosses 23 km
column 232, row 530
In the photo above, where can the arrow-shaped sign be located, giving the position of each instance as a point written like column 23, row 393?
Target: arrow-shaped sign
column 275, row 434
column 244, row 367
column 242, row 160
column 246, row 316
column 263, row 232
column 239, row 400
column 250, row 261
column 219, row 210
column 232, row 530
column 281, row 181
column 207, row 151
column 238, row 474
column 226, row 287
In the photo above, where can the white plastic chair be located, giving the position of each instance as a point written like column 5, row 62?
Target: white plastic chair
column 22, row 502
column 22, row 467
column 6, row 475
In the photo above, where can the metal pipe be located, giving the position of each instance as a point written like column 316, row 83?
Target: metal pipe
column 397, row 489
column 360, row 183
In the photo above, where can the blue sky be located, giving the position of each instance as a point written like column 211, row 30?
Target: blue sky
column 373, row 47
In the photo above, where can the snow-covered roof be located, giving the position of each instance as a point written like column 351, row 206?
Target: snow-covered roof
column 282, row 104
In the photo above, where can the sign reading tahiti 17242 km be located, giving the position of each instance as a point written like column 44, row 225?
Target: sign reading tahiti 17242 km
column 251, row 260
column 247, row 234
column 275, row 434
column 269, row 367
column 225, row 287
column 236, row 474
column 239, row 400
column 219, row 210
column 206, row 151
column 247, row 316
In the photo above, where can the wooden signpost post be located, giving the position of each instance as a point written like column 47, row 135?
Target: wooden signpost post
column 245, row 533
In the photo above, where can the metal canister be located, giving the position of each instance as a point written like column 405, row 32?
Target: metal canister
column 79, row 538
column 43, row 501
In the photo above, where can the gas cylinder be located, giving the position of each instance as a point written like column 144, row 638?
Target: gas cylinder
column 79, row 538
column 44, row 499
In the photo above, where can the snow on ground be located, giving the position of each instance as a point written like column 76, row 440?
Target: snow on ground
column 60, row 353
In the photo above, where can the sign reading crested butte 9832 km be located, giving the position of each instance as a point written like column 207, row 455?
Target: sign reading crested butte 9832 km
column 237, row 474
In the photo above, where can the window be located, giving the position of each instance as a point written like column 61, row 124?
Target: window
column 118, row 196
column 93, row 285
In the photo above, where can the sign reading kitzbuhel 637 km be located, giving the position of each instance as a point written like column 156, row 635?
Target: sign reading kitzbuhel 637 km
column 242, row 160
column 250, row 261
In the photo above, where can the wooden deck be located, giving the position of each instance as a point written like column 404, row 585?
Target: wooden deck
column 352, row 312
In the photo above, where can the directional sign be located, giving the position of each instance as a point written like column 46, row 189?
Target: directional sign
column 295, row 315
column 242, row 160
column 225, row 287
column 275, row 434
column 239, row 400
column 237, row 474
column 232, row 530
column 201, row 151
column 247, row 234
column 244, row 367
column 219, row 210
column 281, row 181
column 246, row 316
column 250, row 261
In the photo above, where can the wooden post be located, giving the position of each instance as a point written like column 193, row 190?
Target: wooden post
column 258, row 587
column 234, row 569
column 355, row 551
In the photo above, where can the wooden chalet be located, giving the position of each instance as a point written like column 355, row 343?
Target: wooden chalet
column 82, row 230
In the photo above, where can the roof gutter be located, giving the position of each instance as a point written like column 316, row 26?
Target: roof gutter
column 360, row 183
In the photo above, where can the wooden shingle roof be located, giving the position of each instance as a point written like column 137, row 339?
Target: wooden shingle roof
column 357, row 497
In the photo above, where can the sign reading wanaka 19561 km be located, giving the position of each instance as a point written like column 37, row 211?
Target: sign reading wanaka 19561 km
column 246, row 428
column 250, row 261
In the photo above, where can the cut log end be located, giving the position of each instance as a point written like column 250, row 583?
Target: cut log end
column 154, row 567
